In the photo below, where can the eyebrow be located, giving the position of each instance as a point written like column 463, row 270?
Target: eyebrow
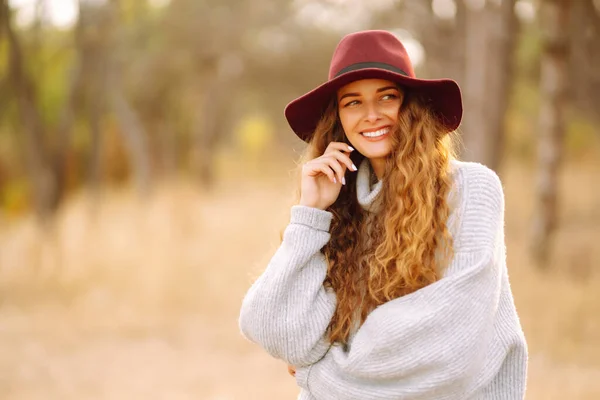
column 382, row 89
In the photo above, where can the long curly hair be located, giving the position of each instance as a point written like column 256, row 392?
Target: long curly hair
column 375, row 257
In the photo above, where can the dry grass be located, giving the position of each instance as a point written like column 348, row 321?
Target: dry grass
column 132, row 299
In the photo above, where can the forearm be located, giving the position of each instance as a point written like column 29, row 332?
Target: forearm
column 287, row 309
column 420, row 345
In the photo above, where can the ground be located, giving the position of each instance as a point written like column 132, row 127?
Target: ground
column 139, row 299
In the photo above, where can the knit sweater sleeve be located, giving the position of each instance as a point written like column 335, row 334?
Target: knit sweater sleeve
column 287, row 309
column 444, row 341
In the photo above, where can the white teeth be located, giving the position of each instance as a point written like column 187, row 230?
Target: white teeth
column 376, row 133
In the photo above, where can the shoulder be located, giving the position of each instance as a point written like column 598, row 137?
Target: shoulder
column 476, row 184
column 478, row 201
column 474, row 175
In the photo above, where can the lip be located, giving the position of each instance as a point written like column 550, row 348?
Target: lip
column 375, row 129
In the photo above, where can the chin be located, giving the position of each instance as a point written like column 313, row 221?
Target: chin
column 376, row 153
column 377, row 149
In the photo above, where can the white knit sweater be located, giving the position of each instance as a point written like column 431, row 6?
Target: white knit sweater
column 457, row 339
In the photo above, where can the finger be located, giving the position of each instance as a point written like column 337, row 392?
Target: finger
column 345, row 159
column 338, row 146
column 318, row 166
column 339, row 168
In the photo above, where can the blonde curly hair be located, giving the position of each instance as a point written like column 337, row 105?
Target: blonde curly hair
column 376, row 257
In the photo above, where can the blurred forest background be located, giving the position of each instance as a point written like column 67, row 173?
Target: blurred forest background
column 146, row 171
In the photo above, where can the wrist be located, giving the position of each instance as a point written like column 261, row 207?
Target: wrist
column 311, row 205
column 311, row 217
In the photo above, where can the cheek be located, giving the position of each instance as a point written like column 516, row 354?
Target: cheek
column 349, row 120
column 393, row 111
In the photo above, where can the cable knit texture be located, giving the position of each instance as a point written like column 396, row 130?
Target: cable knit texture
column 456, row 339
column 365, row 193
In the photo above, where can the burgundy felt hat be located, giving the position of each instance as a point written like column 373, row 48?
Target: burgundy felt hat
column 373, row 55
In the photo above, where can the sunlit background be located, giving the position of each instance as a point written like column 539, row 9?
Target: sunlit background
column 146, row 173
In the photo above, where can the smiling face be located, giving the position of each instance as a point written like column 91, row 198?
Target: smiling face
column 368, row 110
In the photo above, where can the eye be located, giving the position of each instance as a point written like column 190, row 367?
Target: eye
column 389, row 96
column 351, row 103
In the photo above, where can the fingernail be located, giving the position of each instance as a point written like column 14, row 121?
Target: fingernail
column 354, row 167
column 334, row 180
column 343, row 180
column 350, row 148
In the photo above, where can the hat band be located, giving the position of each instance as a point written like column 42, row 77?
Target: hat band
column 364, row 65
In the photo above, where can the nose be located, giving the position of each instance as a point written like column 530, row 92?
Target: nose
column 372, row 112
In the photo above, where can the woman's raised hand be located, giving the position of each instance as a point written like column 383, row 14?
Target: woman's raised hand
column 323, row 177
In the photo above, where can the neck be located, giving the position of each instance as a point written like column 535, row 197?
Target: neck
column 378, row 166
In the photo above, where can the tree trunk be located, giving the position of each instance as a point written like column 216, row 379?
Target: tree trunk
column 585, row 58
column 504, row 30
column 554, row 16
column 490, row 42
column 132, row 130
column 210, row 125
column 475, row 127
column 134, row 136
column 167, row 142
column 444, row 41
column 65, row 130
column 94, row 177
column 42, row 175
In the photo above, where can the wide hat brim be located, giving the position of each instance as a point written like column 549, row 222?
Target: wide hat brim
column 443, row 97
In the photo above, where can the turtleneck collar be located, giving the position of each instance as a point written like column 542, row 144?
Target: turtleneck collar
column 365, row 192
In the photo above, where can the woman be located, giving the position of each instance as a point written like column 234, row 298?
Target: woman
column 391, row 280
